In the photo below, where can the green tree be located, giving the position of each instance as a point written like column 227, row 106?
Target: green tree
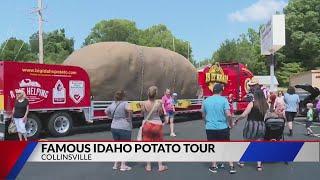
column 227, row 51
column 57, row 47
column 287, row 70
column 203, row 62
column 303, row 32
column 124, row 30
column 160, row 36
column 245, row 49
column 16, row 50
column 111, row 30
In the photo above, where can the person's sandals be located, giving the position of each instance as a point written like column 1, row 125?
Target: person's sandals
column 240, row 164
column 115, row 167
column 259, row 168
column 148, row 169
column 232, row 170
column 213, row 169
column 164, row 168
column 126, row 168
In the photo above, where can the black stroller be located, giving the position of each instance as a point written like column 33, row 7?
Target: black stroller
column 274, row 128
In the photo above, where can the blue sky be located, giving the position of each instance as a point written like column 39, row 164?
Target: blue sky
column 205, row 23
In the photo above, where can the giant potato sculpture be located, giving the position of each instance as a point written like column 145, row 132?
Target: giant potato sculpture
column 116, row 66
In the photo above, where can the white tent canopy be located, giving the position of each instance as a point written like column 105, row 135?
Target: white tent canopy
column 266, row 81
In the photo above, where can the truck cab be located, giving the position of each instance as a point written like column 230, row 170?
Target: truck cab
column 235, row 76
column 57, row 95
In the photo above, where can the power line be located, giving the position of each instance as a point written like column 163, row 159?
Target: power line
column 18, row 51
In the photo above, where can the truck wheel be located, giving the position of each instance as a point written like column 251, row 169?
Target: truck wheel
column 33, row 126
column 60, row 124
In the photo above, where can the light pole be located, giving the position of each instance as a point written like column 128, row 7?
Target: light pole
column 40, row 31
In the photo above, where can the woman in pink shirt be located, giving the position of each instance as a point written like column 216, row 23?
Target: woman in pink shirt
column 279, row 100
column 168, row 109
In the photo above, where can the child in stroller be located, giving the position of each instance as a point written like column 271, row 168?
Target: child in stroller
column 275, row 124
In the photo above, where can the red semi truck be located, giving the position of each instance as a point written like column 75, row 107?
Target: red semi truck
column 59, row 95
column 235, row 76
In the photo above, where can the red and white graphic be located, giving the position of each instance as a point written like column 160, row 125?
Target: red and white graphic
column 59, row 93
column 34, row 92
column 76, row 90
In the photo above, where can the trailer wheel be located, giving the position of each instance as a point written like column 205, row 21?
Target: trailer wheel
column 60, row 124
column 33, row 126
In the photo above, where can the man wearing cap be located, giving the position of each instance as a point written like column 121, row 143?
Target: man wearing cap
column 217, row 116
column 254, row 85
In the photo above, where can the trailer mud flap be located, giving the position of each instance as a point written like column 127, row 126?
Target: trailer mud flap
column 87, row 116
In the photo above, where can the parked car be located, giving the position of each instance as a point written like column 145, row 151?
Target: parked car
column 307, row 97
column 302, row 105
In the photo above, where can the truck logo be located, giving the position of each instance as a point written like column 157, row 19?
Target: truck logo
column 59, row 93
column 246, row 85
column 76, row 91
column 34, row 92
column 215, row 75
column 28, row 83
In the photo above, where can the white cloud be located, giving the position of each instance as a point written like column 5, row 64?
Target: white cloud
column 261, row 10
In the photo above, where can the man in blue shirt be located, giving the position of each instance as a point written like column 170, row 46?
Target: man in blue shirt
column 218, row 119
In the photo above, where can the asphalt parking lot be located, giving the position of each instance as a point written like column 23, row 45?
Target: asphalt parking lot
column 185, row 130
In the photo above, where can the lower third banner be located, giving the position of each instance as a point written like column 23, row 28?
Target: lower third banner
column 14, row 155
column 175, row 151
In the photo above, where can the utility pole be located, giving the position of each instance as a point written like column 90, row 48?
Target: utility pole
column 174, row 48
column 272, row 64
column 188, row 50
column 40, row 20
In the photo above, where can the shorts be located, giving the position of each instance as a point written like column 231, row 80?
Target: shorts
column 170, row 114
column 21, row 126
column 152, row 132
column 218, row 135
column 120, row 134
column 290, row 116
column 308, row 124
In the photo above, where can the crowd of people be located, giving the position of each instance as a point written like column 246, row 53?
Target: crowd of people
column 152, row 125
column 217, row 112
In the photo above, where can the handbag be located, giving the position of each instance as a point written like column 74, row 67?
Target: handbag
column 12, row 128
column 115, row 109
column 139, row 136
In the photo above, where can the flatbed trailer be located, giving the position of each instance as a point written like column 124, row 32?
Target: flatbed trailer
column 59, row 97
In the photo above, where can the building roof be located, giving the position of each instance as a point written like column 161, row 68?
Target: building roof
column 266, row 80
column 305, row 72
